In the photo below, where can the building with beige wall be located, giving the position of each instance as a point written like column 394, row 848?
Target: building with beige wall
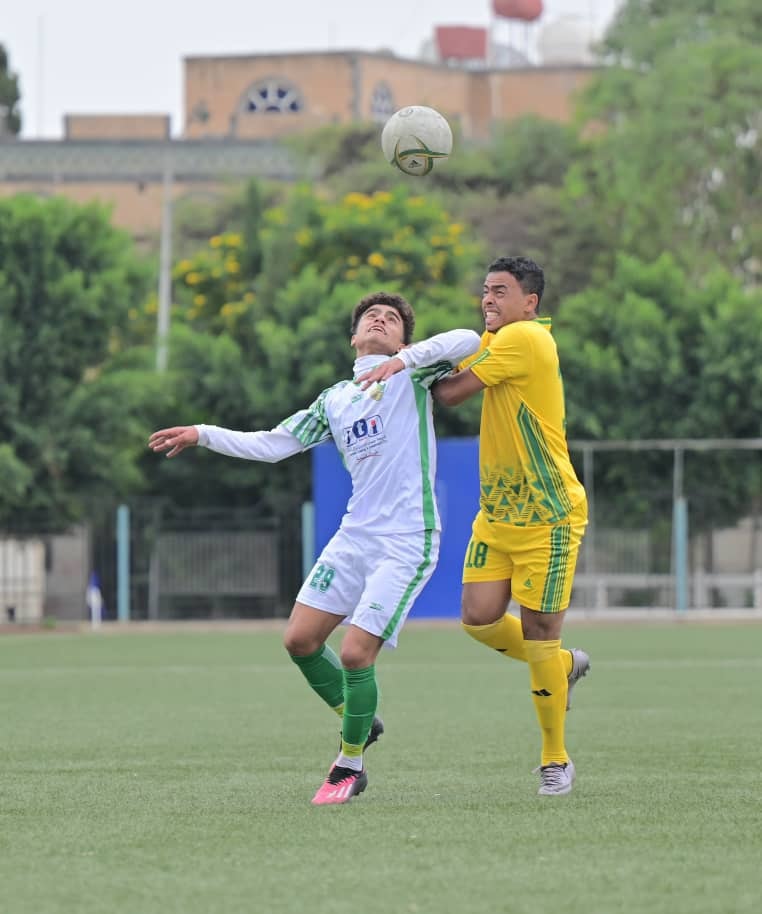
column 238, row 108
column 265, row 96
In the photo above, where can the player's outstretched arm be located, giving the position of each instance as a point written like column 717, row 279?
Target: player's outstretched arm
column 297, row 433
column 267, row 446
column 173, row 440
column 452, row 346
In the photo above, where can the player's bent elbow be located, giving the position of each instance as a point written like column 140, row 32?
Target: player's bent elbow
column 442, row 395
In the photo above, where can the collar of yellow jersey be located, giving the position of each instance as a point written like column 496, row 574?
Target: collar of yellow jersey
column 545, row 322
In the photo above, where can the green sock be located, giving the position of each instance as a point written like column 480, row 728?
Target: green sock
column 360, row 703
column 323, row 672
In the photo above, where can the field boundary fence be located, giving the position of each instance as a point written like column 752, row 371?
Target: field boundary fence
column 703, row 546
column 675, row 525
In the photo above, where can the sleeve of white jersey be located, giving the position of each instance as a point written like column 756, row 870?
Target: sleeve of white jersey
column 268, row 446
column 299, row 432
column 452, row 346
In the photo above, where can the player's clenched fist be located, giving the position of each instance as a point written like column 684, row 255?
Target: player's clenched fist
column 174, row 440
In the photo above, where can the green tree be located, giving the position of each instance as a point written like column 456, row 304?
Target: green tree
column 523, row 153
column 10, row 116
column 564, row 235
column 197, row 217
column 674, row 161
column 651, row 353
column 69, row 418
column 211, row 380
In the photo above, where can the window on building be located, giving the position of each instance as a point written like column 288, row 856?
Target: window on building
column 273, row 96
column 382, row 103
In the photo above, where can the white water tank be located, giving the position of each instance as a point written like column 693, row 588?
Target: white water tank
column 566, row 40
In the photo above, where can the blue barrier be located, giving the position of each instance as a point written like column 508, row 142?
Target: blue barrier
column 457, row 489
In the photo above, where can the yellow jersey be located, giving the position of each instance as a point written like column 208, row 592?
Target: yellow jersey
column 525, row 472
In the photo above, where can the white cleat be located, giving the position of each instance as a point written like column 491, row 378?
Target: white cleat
column 556, row 780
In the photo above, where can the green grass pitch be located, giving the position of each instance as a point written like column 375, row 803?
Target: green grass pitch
column 149, row 773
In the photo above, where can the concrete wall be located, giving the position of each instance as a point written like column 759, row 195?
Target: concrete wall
column 22, row 580
column 116, row 126
column 136, row 205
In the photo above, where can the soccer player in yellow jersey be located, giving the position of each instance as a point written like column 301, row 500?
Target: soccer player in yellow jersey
column 532, row 508
column 532, row 511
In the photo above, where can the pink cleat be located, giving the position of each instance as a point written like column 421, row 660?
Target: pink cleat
column 340, row 786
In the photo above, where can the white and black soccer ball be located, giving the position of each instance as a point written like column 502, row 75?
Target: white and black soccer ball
column 414, row 138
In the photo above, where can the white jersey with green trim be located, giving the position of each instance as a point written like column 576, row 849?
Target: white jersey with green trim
column 385, row 436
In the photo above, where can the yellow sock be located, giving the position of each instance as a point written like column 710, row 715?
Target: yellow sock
column 549, row 688
column 351, row 750
column 348, row 749
column 507, row 637
column 504, row 636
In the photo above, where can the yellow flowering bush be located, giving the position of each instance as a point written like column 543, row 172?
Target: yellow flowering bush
column 208, row 291
column 330, row 250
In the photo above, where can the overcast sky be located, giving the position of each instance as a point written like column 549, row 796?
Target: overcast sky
column 98, row 56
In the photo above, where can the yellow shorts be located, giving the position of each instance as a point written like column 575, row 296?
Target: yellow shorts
column 539, row 561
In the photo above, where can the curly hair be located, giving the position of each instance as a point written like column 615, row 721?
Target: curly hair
column 401, row 305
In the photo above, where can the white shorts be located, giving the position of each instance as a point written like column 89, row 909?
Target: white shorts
column 372, row 580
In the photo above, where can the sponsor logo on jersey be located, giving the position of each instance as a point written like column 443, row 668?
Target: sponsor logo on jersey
column 363, row 430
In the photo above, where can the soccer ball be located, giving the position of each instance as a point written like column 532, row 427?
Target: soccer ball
column 414, row 138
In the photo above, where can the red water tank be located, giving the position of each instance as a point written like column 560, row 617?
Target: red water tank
column 528, row 10
column 461, row 42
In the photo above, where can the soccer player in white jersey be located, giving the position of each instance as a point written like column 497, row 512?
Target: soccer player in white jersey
column 387, row 545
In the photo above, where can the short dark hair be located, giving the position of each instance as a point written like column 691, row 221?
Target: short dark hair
column 401, row 305
column 528, row 274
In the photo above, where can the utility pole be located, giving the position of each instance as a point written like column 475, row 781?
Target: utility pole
column 165, row 264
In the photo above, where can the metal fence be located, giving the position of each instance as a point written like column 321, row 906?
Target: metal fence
column 673, row 525
column 191, row 563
